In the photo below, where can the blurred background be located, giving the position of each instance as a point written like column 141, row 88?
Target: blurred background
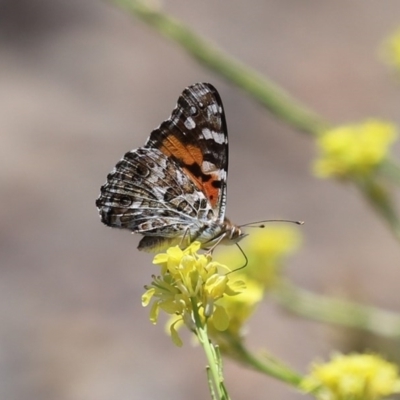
column 82, row 83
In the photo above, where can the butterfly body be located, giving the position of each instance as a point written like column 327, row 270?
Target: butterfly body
column 173, row 190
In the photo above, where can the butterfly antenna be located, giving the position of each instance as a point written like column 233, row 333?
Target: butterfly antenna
column 261, row 224
column 245, row 263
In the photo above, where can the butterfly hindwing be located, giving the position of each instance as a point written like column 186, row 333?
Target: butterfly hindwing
column 146, row 193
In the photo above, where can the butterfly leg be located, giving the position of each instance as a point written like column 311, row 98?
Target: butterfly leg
column 186, row 235
column 217, row 242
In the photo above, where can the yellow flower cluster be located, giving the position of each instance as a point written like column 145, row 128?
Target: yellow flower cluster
column 354, row 151
column 189, row 286
column 355, row 377
column 190, row 283
column 391, row 50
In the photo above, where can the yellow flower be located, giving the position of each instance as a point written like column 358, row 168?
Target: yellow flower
column 238, row 309
column 391, row 50
column 189, row 285
column 354, row 150
column 355, row 377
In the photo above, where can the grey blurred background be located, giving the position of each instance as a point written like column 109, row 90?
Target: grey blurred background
column 81, row 84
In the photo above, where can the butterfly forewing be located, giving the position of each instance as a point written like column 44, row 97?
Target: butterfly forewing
column 196, row 138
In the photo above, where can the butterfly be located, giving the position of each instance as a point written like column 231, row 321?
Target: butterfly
column 173, row 189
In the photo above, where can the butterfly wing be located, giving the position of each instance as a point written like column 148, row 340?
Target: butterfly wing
column 195, row 137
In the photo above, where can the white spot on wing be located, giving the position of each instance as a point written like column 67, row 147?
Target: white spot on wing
column 213, row 109
column 218, row 137
column 208, row 167
column 207, row 134
column 189, row 123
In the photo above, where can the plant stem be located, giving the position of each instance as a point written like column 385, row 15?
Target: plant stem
column 265, row 365
column 377, row 195
column 340, row 312
column 391, row 170
column 216, row 378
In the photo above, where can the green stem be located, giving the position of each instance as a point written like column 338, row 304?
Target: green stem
column 340, row 312
column 260, row 88
column 380, row 200
column 216, row 378
column 391, row 170
column 266, row 365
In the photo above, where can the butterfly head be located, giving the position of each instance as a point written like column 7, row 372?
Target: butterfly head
column 233, row 233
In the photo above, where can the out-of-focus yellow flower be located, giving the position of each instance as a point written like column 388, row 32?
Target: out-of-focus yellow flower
column 355, row 377
column 354, row 150
column 266, row 250
column 391, row 50
column 238, row 310
column 189, row 284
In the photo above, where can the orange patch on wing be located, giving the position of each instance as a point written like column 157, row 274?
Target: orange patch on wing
column 186, row 154
column 211, row 191
column 190, row 155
